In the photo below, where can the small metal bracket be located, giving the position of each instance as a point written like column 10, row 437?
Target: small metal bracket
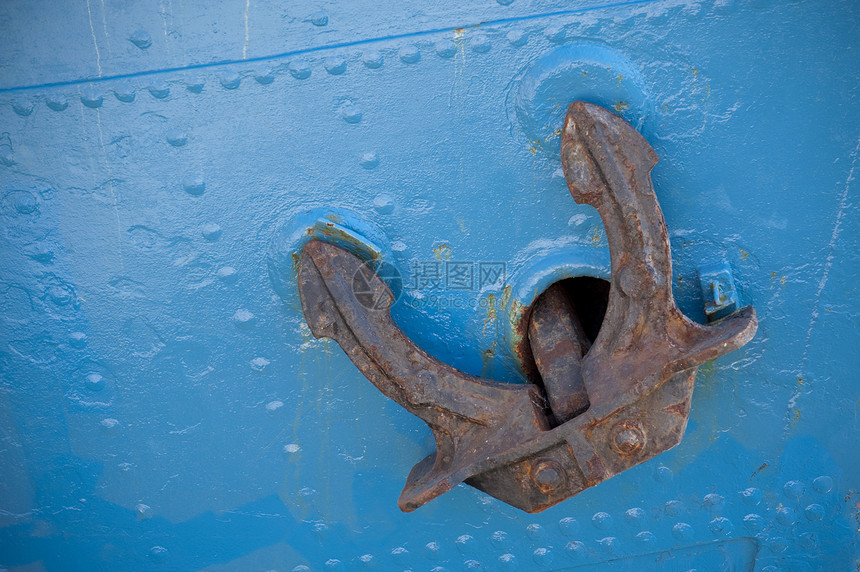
column 602, row 409
column 718, row 290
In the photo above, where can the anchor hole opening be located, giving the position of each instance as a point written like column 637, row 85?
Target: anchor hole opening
column 590, row 297
column 557, row 346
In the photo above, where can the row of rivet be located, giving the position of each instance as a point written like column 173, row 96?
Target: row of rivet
column 608, row 546
column 299, row 69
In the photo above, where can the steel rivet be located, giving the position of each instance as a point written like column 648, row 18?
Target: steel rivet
column 159, row 89
column 57, row 102
column 300, row 69
column 230, row 80
column 211, row 231
column 548, row 475
column 335, row 65
column 628, row 438
column 823, row 484
column 265, row 76
column 141, row 39
column 244, row 319
column 409, row 54
column 373, row 60
column 92, row 99
column 95, row 382
column 516, row 38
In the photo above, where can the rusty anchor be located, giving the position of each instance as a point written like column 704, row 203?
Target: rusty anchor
column 600, row 407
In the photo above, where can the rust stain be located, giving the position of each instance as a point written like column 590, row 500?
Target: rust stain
column 488, row 354
column 491, row 312
column 620, row 106
column 339, row 235
column 595, row 467
column 517, row 313
column 682, row 408
column 553, row 134
column 506, row 295
column 442, row 252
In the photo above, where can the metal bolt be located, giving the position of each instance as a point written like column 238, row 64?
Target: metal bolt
column 628, row 437
column 548, row 475
column 718, row 290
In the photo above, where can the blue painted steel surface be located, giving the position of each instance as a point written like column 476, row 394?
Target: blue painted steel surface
column 162, row 404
